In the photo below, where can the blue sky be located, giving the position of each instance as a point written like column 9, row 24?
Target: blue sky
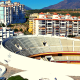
column 37, row 4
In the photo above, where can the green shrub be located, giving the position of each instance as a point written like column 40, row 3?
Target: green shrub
column 15, row 30
column 27, row 33
column 21, row 29
column 16, row 78
column 2, row 25
column 10, row 25
column 71, row 35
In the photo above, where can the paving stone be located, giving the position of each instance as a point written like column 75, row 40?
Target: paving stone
column 10, row 70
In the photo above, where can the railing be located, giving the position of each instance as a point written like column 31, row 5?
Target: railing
column 49, row 26
column 59, row 58
column 41, row 27
column 74, row 26
column 41, row 22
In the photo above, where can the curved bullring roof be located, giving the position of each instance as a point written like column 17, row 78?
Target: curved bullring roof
column 30, row 44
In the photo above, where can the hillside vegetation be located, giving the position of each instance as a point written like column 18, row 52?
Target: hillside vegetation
column 73, row 12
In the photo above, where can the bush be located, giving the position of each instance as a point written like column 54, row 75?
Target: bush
column 2, row 25
column 16, row 78
column 10, row 25
column 71, row 35
column 15, row 30
column 21, row 29
column 27, row 33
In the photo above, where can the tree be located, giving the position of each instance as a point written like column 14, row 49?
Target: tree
column 2, row 25
column 10, row 25
column 21, row 29
column 15, row 30
column 18, row 77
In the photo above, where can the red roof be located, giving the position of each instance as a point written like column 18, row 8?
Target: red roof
column 44, row 19
column 79, row 17
column 56, row 19
column 61, row 16
column 55, row 14
column 46, row 16
column 41, row 13
column 67, row 14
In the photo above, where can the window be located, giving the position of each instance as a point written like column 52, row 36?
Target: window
column 59, row 54
column 44, row 43
column 49, row 59
column 49, row 23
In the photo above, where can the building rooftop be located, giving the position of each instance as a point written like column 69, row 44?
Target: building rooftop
column 41, row 13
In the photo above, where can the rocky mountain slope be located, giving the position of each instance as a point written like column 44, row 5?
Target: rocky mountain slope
column 66, row 4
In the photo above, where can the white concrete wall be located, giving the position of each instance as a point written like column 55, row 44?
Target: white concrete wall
column 55, row 16
column 37, row 28
column 30, row 75
column 41, row 15
column 39, row 67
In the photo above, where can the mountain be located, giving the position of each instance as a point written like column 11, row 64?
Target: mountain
column 27, row 8
column 66, row 4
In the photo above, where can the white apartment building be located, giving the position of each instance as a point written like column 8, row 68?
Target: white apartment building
column 5, row 32
column 11, row 13
column 59, row 25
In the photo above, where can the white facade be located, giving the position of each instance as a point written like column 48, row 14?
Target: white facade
column 5, row 33
column 55, row 24
column 38, row 69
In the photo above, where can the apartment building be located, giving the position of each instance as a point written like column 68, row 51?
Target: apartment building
column 31, row 20
column 55, row 24
column 5, row 32
column 11, row 13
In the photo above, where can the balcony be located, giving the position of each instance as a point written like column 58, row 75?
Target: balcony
column 74, row 26
column 57, row 22
column 63, row 31
column 57, row 31
column 62, row 26
column 42, row 28
column 70, row 34
column 43, row 33
column 75, row 31
column 49, row 32
column 75, row 22
column 49, row 21
column 69, row 26
column 41, row 22
column 70, row 22
column 56, row 26
column 49, row 26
